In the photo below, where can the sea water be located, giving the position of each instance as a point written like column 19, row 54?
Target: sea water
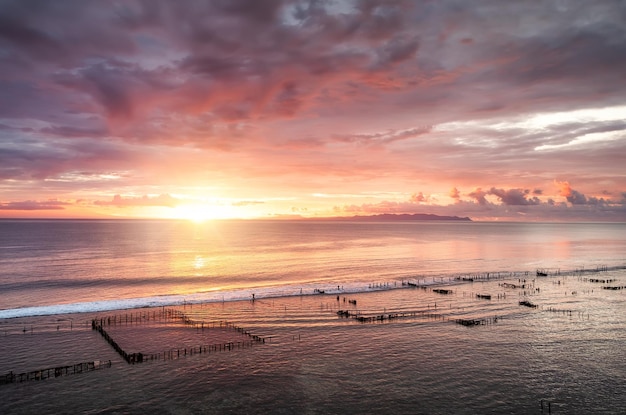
column 69, row 266
column 567, row 355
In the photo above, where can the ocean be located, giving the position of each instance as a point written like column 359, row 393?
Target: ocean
column 354, row 317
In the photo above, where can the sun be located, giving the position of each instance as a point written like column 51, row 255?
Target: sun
column 201, row 212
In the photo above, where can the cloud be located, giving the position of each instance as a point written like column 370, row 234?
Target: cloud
column 247, row 203
column 455, row 194
column 577, row 198
column 302, row 97
column 384, row 137
column 55, row 158
column 34, row 205
column 161, row 200
column 31, row 40
column 242, row 55
column 418, row 198
column 238, row 56
column 479, row 196
column 394, row 51
column 514, row 197
column 508, row 204
column 572, row 196
column 75, row 132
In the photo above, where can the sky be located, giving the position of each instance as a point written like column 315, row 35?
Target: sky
column 509, row 111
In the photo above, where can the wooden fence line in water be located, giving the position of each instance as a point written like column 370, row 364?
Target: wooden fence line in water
column 598, row 280
column 132, row 358
column 499, row 275
column 419, row 313
column 54, row 372
column 490, row 276
column 172, row 354
column 165, row 314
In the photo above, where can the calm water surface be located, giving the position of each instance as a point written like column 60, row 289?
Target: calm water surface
column 44, row 263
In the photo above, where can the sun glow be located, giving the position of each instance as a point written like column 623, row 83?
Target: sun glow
column 202, row 212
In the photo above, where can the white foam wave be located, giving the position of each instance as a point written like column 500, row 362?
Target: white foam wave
column 200, row 297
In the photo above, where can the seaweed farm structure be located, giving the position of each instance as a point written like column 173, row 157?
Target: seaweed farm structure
column 54, row 372
column 160, row 333
column 372, row 318
column 168, row 316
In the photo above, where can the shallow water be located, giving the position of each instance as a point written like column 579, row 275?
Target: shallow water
column 80, row 266
column 569, row 352
column 316, row 362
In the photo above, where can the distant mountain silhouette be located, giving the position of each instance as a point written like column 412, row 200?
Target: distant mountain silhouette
column 392, row 217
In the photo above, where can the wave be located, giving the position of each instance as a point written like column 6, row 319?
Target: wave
column 206, row 297
column 271, row 292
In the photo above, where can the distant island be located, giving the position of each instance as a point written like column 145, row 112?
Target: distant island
column 392, row 217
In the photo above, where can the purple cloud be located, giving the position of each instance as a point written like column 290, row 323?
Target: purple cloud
column 34, row 205
column 514, row 197
column 305, row 97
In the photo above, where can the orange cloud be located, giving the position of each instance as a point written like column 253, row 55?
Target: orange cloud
column 418, row 198
column 455, row 194
column 565, row 189
column 161, row 200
